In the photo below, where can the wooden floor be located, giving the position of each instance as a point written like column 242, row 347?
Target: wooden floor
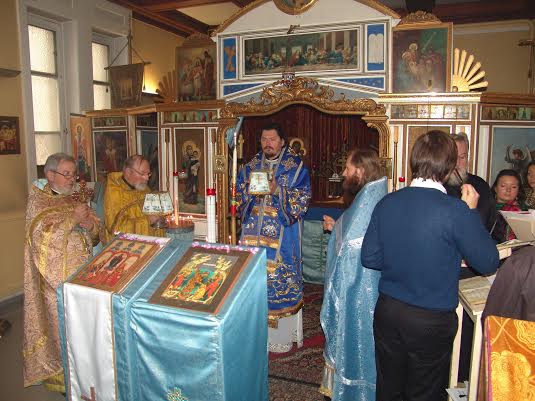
column 11, row 387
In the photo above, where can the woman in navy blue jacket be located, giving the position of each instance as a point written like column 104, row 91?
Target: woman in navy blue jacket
column 417, row 237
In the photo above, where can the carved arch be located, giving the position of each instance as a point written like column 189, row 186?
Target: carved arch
column 275, row 97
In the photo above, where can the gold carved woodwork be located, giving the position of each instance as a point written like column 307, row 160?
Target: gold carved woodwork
column 220, row 164
column 419, row 17
column 277, row 96
column 197, row 40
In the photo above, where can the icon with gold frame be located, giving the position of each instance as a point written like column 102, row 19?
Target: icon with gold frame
column 259, row 182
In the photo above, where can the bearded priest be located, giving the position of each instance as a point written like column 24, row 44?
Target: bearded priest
column 59, row 238
column 124, row 197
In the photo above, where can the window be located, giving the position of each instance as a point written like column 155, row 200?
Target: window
column 101, row 86
column 46, row 89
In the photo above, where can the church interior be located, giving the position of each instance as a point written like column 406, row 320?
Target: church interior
column 103, row 80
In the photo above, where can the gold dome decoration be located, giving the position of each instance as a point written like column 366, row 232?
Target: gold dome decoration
column 465, row 76
column 167, row 87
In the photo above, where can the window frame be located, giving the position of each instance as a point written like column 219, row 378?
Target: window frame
column 56, row 27
column 108, row 41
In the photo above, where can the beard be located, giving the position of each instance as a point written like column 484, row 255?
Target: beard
column 352, row 185
column 142, row 186
column 63, row 190
column 270, row 153
column 454, row 180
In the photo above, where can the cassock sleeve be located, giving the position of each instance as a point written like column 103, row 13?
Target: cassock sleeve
column 372, row 252
column 293, row 200
column 111, row 209
column 475, row 243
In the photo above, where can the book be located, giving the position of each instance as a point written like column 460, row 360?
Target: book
column 522, row 224
column 475, row 290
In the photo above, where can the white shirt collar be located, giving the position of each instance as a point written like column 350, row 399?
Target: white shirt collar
column 429, row 183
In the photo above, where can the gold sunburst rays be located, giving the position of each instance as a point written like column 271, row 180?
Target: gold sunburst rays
column 466, row 75
column 168, row 87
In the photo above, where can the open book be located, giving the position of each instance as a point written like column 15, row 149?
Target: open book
column 522, row 224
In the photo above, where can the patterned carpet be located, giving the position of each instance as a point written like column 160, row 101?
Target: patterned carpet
column 296, row 375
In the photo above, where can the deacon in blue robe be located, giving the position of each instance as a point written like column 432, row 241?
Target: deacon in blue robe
column 350, row 294
column 274, row 221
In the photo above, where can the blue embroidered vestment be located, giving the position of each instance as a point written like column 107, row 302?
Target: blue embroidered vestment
column 349, row 299
column 275, row 223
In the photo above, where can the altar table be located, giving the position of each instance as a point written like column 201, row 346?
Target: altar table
column 125, row 346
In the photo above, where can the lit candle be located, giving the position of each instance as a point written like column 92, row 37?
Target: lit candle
column 396, row 135
column 235, row 160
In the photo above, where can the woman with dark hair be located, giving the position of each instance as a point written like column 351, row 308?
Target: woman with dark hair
column 417, row 237
column 509, row 194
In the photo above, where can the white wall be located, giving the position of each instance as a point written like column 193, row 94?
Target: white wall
column 268, row 16
column 78, row 19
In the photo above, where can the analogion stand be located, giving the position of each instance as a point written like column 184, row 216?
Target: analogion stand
column 473, row 294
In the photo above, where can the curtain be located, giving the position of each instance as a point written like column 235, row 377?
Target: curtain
column 325, row 137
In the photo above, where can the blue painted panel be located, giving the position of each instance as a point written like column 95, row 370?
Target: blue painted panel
column 229, row 58
column 229, row 89
column 374, row 82
column 375, row 29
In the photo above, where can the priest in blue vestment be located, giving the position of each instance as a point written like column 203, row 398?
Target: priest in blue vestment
column 274, row 220
column 350, row 290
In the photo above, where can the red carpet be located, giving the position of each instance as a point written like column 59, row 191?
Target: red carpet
column 296, row 375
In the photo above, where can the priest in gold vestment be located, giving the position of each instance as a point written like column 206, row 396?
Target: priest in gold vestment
column 59, row 236
column 124, row 197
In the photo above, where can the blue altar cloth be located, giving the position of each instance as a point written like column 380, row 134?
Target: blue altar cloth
column 203, row 357
column 167, row 353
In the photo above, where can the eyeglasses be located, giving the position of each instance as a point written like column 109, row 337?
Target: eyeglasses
column 141, row 173
column 67, row 176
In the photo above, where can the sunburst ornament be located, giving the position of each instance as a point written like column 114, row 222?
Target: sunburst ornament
column 167, row 87
column 466, row 75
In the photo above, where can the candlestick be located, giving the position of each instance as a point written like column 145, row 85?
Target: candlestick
column 211, row 215
column 175, row 195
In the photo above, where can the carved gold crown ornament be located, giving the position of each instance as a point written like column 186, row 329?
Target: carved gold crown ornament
column 168, row 87
column 302, row 90
column 419, row 17
column 466, row 75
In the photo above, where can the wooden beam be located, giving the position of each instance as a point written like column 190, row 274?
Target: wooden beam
column 485, row 11
column 165, row 27
column 489, row 10
column 184, row 19
column 242, row 3
column 177, row 4
column 181, row 22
